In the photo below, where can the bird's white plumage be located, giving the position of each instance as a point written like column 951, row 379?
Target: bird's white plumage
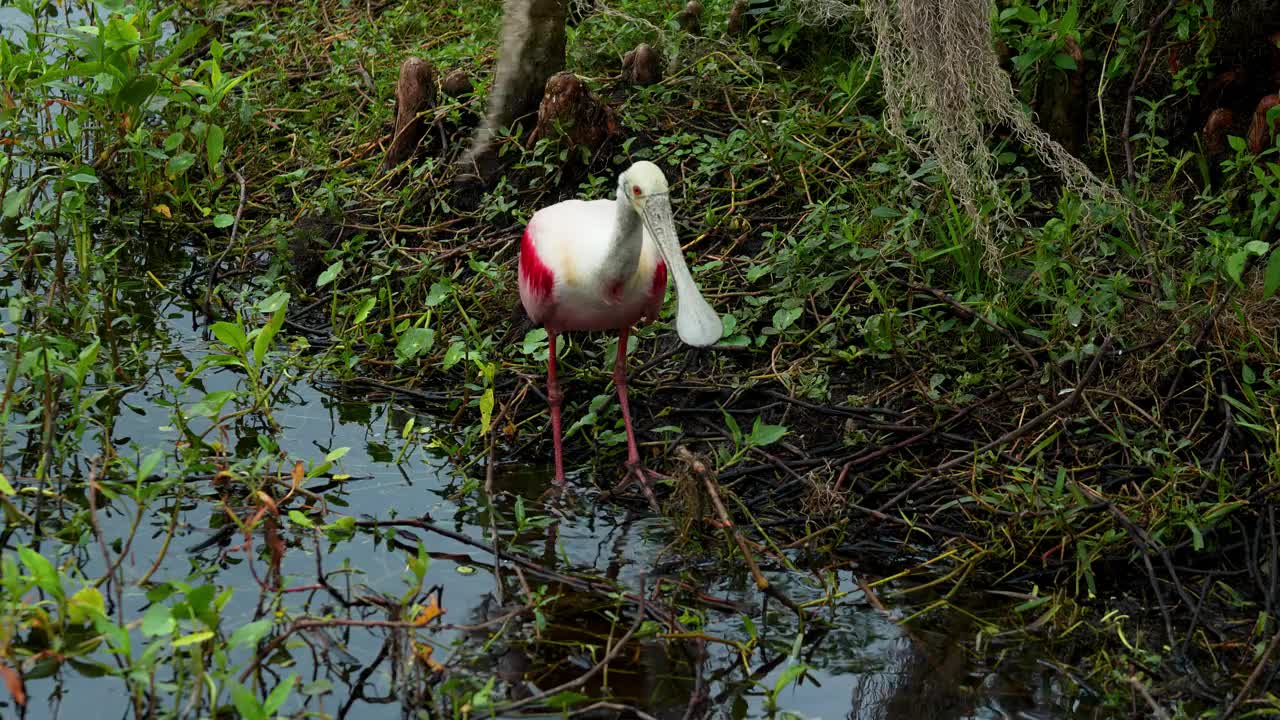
column 646, row 176
column 572, row 239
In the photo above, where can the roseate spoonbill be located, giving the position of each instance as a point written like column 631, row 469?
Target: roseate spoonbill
column 603, row 265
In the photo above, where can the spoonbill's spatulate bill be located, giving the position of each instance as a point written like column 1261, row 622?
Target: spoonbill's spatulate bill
column 603, row 265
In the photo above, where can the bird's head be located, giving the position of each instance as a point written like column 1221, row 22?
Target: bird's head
column 642, row 182
column 645, row 188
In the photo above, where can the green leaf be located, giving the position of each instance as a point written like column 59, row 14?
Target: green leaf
column 279, row 695
column 86, row 359
column 319, row 687
column 158, row 620
column 223, row 220
column 420, row 563
column 231, row 335
column 336, row 454
column 179, row 164
column 274, row 301
column 5, row 487
column 438, row 292
column 1027, row 15
column 1069, row 19
column 84, row 604
column 1064, row 61
column 533, row 340
column 482, row 698
column 788, row 676
column 14, row 199
column 138, row 90
column 329, row 274
column 588, row 419
column 199, row 598
column 42, row 571
column 486, row 409
column 211, row 404
column 1271, row 276
column 117, row 637
column 299, row 519
column 728, row 323
column 454, row 354
column 1236, row 143
column 363, row 310
column 414, row 342
column 246, row 702
column 213, row 145
column 249, row 634
column 266, row 335
column 735, row 432
column 1074, row 315
column 566, row 698
column 84, row 179
column 193, row 638
column 1235, row 265
column 341, row 529
column 763, row 435
column 783, row 318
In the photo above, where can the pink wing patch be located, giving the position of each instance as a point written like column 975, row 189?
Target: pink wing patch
column 534, row 274
column 659, row 282
column 656, row 291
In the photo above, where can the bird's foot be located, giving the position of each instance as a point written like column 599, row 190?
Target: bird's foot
column 637, row 473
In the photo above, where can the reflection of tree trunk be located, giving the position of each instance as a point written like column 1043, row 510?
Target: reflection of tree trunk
column 531, row 50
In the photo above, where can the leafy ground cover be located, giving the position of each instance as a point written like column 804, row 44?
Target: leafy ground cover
column 1072, row 449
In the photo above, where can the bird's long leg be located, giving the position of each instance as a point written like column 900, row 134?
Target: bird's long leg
column 620, row 381
column 554, row 398
column 635, row 471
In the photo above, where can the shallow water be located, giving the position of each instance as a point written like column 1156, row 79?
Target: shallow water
column 867, row 667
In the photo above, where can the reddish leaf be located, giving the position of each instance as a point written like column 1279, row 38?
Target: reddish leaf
column 13, row 681
column 430, row 612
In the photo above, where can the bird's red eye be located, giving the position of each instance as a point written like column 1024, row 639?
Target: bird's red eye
column 635, row 190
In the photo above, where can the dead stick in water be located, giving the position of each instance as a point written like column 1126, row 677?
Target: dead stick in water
column 762, row 583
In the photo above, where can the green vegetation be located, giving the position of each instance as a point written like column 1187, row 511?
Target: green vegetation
column 1066, row 452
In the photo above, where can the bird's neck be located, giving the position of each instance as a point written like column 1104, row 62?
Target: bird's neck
column 624, row 250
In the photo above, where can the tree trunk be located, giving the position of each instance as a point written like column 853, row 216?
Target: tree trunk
column 531, row 50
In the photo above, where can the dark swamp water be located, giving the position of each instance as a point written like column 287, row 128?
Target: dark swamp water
column 866, row 666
